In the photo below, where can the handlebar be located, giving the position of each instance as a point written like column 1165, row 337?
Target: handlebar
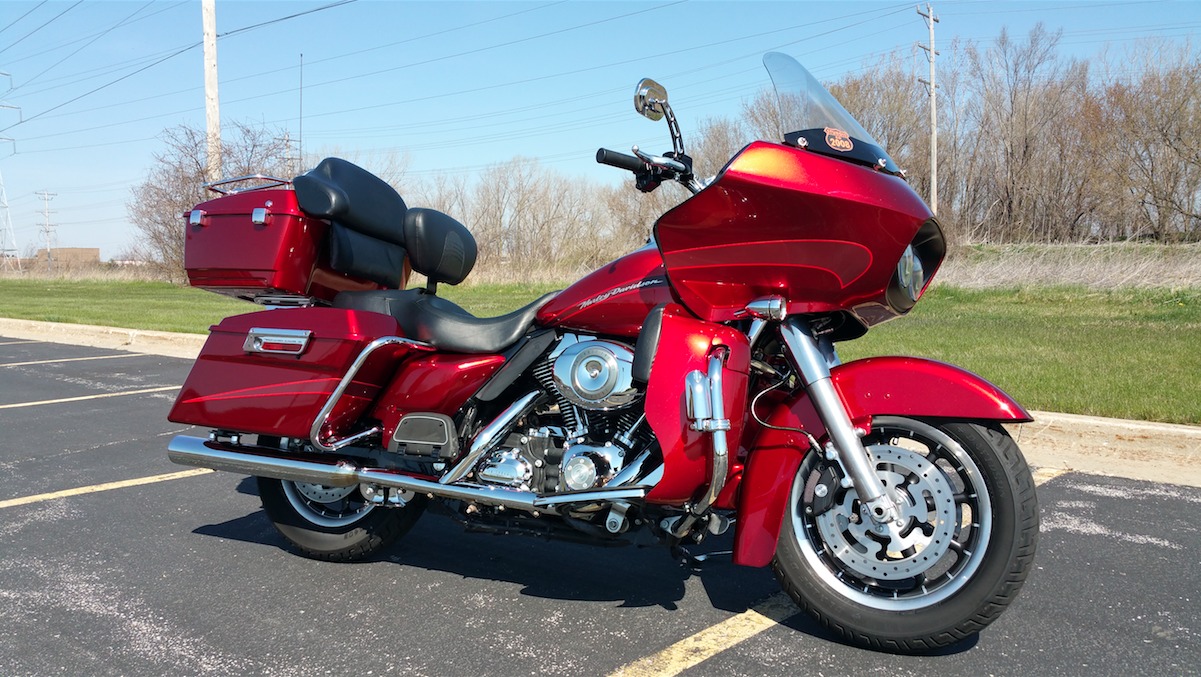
column 620, row 160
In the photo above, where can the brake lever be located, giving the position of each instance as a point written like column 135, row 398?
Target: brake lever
column 660, row 161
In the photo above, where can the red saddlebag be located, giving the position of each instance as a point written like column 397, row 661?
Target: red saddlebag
column 271, row 372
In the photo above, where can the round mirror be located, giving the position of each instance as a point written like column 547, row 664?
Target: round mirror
column 649, row 98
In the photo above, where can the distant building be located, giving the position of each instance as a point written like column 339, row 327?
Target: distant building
column 66, row 258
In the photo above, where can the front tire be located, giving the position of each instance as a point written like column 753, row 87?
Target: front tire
column 334, row 524
column 949, row 567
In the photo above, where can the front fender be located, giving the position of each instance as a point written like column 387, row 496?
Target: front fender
column 876, row 386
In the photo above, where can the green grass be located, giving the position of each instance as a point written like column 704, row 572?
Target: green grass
column 1120, row 353
column 136, row 305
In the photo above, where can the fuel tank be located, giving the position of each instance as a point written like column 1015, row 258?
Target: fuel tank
column 613, row 300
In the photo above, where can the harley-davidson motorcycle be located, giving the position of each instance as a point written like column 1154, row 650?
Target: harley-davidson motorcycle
column 685, row 389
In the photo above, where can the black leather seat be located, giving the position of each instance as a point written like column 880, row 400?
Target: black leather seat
column 443, row 324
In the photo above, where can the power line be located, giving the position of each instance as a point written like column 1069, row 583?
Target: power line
column 56, row 17
column 15, row 21
column 166, row 58
column 68, row 43
column 56, row 64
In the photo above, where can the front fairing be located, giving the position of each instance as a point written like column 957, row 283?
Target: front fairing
column 781, row 221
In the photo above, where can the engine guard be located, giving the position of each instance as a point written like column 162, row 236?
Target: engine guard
column 878, row 386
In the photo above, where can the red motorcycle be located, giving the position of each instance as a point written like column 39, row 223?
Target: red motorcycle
column 685, row 388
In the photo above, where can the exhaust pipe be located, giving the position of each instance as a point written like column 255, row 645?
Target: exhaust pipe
column 317, row 469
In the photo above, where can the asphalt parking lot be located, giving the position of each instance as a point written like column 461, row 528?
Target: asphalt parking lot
column 113, row 561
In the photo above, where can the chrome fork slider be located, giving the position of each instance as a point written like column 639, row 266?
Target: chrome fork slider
column 805, row 351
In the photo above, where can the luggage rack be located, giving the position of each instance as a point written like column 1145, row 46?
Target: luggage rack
column 269, row 182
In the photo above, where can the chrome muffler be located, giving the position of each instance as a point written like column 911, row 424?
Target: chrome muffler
column 312, row 468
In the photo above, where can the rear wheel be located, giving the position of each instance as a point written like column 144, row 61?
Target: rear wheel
column 947, row 568
column 334, row 523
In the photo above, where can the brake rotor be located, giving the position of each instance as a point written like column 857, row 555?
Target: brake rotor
column 904, row 548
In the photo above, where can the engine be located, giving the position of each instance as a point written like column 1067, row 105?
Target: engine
column 592, row 430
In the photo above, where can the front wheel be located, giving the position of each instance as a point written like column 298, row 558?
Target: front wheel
column 947, row 568
column 334, row 523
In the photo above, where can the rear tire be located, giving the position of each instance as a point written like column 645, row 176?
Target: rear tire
column 334, row 524
column 959, row 556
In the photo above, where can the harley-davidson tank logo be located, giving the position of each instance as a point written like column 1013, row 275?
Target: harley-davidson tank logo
column 838, row 139
column 650, row 282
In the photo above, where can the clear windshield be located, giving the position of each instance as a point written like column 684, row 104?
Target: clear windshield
column 811, row 117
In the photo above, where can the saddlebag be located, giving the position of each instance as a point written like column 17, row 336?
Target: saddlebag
column 272, row 372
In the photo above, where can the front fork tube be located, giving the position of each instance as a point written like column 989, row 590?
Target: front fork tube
column 811, row 363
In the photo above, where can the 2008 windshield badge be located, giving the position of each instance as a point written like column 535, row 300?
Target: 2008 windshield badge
column 838, row 139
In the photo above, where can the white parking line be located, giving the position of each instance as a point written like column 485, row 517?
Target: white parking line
column 103, row 487
column 696, row 649
column 20, row 405
column 69, row 359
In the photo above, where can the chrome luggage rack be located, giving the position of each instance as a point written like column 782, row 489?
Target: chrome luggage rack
column 269, row 182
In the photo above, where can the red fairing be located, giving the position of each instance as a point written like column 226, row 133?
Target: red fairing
column 227, row 253
column 684, row 346
column 438, row 383
column 614, row 300
column 230, row 388
column 824, row 233
column 877, row 386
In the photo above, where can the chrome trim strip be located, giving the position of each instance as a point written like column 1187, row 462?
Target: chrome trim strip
column 323, row 415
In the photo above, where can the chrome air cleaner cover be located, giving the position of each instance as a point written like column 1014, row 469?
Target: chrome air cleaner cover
column 596, row 375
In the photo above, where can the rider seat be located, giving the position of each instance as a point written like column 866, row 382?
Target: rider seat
column 373, row 234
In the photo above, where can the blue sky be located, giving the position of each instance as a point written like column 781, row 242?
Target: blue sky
column 453, row 86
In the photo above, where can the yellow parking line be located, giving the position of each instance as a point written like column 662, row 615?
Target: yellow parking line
column 692, row 651
column 103, row 487
column 69, row 359
column 702, row 646
column 20, row 405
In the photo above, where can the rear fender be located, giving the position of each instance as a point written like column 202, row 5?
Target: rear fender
column 878, row 386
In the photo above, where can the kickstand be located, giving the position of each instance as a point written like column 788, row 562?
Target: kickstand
column 694, row 562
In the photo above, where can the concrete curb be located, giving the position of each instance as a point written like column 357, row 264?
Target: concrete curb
column 1155, row 452
column 167, row 344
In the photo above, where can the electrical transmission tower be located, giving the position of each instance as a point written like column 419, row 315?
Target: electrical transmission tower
column 48, row 229
column 933, row 89
column 10, row 254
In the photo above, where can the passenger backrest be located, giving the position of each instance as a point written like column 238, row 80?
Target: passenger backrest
column 366, row 215
column 439, row 247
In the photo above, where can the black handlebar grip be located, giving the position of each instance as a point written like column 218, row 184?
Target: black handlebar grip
column 619, row 160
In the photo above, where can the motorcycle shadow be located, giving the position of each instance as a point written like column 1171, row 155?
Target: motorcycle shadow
column 634, row 576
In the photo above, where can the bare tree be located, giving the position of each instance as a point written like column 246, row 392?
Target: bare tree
column 1157, row 123
column 175, row 183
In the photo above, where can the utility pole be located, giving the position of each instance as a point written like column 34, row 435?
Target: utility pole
column 300, row 134
column 10, row 255
column 48, row 228
column 933, row 89
column 212, row 107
